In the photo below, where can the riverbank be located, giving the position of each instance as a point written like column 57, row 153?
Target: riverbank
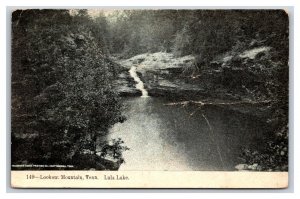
column 215, row 87
column 164, row 75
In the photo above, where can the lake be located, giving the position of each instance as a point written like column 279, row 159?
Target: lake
column 162, row 137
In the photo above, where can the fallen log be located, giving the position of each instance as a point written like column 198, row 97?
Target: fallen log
column 201, row 103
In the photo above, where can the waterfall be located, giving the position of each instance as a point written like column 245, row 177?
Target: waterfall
column 140, row 84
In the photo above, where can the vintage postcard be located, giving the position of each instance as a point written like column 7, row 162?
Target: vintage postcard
column 149, row 98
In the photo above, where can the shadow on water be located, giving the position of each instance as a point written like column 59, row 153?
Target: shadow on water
column 164, row 137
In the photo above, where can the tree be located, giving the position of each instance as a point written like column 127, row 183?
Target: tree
column 61, row 86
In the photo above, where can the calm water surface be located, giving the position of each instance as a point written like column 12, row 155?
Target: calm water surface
column 164, row 137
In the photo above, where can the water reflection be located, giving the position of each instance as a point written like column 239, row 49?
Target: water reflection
column 170, row 138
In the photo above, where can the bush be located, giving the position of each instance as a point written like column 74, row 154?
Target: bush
column 274, row 157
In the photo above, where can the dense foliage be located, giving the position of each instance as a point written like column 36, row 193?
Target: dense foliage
column 222, row 42
column 62, row 97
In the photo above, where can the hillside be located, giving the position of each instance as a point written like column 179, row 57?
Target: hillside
column 60, row 89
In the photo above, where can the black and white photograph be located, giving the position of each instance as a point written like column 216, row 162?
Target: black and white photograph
column 149, row 90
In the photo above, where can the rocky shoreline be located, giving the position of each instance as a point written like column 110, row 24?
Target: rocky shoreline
column 160, row 72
